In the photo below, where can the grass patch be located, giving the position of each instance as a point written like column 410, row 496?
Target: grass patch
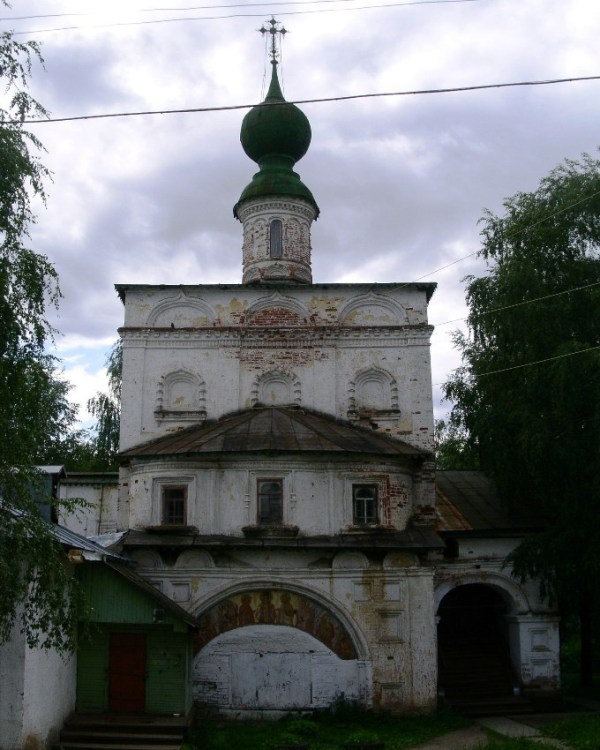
column 326, row 731
column 571, row 685
column 579, row 732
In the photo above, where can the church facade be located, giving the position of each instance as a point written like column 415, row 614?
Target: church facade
column 277, row 475
column 277, row 478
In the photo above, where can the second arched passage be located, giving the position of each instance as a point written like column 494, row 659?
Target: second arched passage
column 473, row 647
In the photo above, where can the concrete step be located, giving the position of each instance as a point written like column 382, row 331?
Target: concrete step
column 114, row 732
column 93, row 745
column 154, row 738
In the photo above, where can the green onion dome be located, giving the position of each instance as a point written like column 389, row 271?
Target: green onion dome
column 275, row 134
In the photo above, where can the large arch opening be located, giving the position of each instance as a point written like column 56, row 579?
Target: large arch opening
column 473, row 647
column 263, row 668
column 269, row 649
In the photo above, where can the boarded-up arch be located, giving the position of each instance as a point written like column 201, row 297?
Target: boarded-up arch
column 275, row 668
column 276, row 606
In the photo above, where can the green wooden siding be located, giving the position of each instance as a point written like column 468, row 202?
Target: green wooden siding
column 92, row 673
column 116, row 605
column 114, row 599
column 168, row 685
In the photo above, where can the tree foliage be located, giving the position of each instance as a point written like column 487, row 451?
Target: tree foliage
column 37, row 590
column 106, row 407
column 528, row 391
column 453, row 448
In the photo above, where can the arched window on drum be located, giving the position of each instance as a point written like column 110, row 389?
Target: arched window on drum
column 276, row 238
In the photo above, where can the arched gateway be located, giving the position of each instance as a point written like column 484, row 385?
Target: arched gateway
column 275, row 649
column 473, row 645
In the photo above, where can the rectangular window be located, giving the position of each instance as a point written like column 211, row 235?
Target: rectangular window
column 174, row 506
column 269, row 494
column 364, row 504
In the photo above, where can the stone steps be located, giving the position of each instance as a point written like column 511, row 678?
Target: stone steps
column 122, row 733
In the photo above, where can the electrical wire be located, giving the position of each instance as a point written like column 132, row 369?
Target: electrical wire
column 522, row 303
column 223, row 17
column 320, row 100
column 530, row 364
column 537, row 362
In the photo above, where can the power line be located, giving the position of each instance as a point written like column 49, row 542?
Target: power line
column 223, row 17
column 511, row 236
column 531, row 364
column 349, row 97
column 524, row 302
column 539, row 361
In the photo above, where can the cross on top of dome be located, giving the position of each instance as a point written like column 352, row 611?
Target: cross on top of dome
column 276, row 29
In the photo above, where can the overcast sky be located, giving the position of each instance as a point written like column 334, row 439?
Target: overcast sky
column 401, row 181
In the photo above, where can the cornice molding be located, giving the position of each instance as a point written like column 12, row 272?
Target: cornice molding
column 288, row 338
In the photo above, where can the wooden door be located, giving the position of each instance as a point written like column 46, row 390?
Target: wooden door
column 127, row 673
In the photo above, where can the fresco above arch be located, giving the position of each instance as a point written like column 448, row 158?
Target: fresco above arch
column 275, row 607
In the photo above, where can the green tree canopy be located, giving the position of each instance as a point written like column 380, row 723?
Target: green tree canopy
column 528, row 392
column 37, row 591
column 106, row 407
column 454, row 450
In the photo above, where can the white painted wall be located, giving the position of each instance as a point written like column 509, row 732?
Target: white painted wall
column 274, row 668
column 382, row 604
column 222, row 495
column 323, row 336
column 97, row 512
column 37, row 693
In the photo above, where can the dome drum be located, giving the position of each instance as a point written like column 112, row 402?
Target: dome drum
column 276, row 244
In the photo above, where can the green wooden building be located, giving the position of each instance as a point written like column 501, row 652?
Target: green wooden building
column 135, row 654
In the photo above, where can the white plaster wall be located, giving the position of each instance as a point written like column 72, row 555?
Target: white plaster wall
column 343, row 330
column 50, row 687
column 483, row 549
column 222, row 495
column 37, row 693
column 387, row 610
column 535, row 650
column 274, row 667
column 98, row 515
column 12, row 665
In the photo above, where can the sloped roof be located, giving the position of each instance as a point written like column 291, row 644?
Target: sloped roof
column 95, row 553
column 273, row 428
column 71, row 539
column 467, row 501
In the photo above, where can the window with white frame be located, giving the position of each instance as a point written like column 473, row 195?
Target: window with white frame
column 174, row 505
column 365, row 511
column 269, row 501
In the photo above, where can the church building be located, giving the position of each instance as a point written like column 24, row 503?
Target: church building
column 277, row 478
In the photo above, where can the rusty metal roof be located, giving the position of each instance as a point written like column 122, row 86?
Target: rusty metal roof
column 467, row 501
column 281, row 429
